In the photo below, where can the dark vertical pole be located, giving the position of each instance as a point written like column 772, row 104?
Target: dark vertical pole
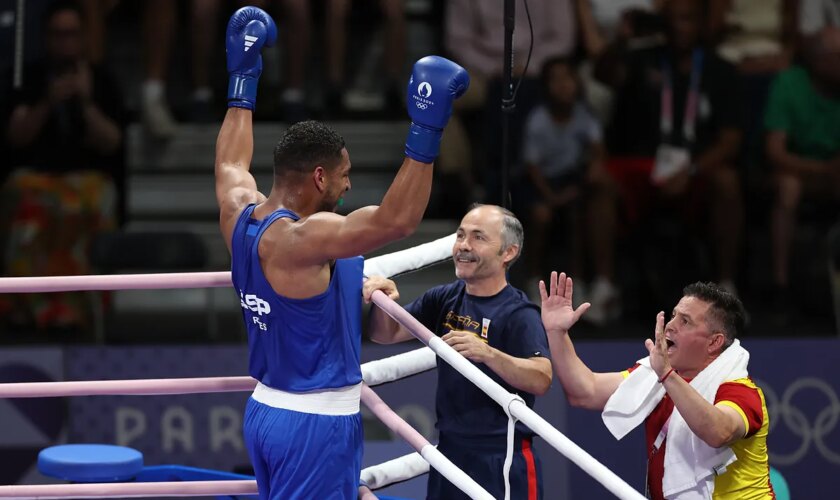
column 507, row 99
column 17, row 64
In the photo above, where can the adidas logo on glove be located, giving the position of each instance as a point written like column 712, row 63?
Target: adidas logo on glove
column 249, row 41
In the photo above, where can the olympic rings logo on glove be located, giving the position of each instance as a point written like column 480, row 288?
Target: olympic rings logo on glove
column 421, row 105
column 783, row 411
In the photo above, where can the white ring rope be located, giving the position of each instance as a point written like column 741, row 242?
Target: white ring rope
column 394, row 471
column 513, row 405
column 398, row 367
column 411, row 259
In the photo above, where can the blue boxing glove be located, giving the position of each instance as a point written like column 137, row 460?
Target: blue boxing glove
column 248, row 30
column 434, row 85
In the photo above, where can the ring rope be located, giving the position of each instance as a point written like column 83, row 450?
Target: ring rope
column 130, row 490
column 411, row 259
column 387, row 265
column 428, row 451
column 239, row 487
column 390, row 369
column 394, row 471
column 139, row 387
column 155, row 281
column 374, row 373
column 513, row 405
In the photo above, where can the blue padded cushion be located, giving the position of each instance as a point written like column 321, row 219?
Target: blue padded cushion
column 90, row 463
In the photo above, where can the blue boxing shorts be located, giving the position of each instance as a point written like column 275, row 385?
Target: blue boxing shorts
column 303, row 454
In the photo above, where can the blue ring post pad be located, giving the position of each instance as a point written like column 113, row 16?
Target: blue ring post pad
column 90, row 463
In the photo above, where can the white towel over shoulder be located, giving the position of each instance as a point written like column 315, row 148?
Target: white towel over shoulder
column 690, row 464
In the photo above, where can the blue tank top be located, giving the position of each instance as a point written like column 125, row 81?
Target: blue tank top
column 297, row 345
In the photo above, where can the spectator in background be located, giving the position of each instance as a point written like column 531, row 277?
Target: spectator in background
column 563, row 154
column 603, row 21
column 606, row 24
column 474, row 37
column 65, row 136
column 159, row 30
column 475, row 34
column 676, row 132
column 95, row 15
column 758, row 38
column 814, row 15
column 160, row 18
column 296, row 25
column 803, row 143
column 67, row 112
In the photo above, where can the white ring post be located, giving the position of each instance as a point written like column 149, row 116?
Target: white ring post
column 561, row 443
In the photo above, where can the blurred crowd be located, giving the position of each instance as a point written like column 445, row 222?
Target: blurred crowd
column 653, row 142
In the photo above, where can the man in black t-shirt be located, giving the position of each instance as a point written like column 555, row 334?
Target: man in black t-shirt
column 676, row 131
column 495, row 326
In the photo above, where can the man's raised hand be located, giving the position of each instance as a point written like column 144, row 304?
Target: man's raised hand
column 248, row 30
column 558, row 313
column 658, row 348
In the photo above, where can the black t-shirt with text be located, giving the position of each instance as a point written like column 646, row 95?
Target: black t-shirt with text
column 507, row 321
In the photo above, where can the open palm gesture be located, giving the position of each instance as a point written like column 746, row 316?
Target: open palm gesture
column 558, row 313
column 658, row 348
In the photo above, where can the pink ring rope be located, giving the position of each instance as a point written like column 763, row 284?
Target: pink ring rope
column 422, row 446
column 402, row 316
column 392, row 420
column 128, row 490
column 148, row 387
column 115, row 282
column 151, row 387
column 197, row 488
